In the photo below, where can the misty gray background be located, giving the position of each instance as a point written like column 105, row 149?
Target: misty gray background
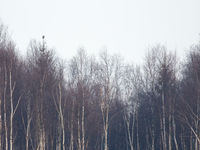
column 126, row 27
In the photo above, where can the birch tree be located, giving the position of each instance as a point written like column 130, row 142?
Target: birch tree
column 81, row 74
column 132, row 83
column 190, row 96
column 42, row 68
column 107, row 68
column 60, row 104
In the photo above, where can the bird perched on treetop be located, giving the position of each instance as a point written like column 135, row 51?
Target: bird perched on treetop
column 43, row 46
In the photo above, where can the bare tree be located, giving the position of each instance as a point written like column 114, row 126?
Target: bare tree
column 60, row 104
column 10, row 101
column 190, row 97
column 166, row 86
column 42, row 68
column 132, row 82
column 160, row 86
column 81, row 75
column 12, row 86
column 107, row 75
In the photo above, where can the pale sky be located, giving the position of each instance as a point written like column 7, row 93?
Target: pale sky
column 125, row 27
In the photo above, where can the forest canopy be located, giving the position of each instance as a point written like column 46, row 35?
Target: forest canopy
column 98, row 103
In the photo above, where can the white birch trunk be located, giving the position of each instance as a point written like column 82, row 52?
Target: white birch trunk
column 163, row 120
column 174, row 132
column 106, row 131
column 83, row 126
column 79, row 132
column 61, row 117
column 127, row 121
column 72, row 128
column 5, row 115
column 11, row 111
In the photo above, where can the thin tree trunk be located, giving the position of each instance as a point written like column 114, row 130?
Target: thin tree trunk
column 61, row 117
column 174, row 132
column 42, row 140
column 79, row 132
column 83, row 127
column 163, row 121
column 152, row 131
column 11, row 111
column 63, row 134
column 106, row 131
column 170, row 133
column 138, row 142
column 41, row 117
column 28, row 123
column 5, row 115
column 72, row 128
column 127, row 121
column 27, row 134
column 41, row 133
column 161, row 133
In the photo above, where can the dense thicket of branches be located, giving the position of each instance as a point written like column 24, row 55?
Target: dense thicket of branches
column 98, row 103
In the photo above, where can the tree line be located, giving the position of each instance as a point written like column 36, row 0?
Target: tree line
column 98, row 103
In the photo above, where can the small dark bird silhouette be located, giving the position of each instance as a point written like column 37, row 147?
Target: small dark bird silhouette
column 43, row 48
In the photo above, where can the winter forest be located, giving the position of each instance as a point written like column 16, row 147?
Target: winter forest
column 98, row 103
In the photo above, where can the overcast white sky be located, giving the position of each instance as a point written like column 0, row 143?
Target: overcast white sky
column 126, row 27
